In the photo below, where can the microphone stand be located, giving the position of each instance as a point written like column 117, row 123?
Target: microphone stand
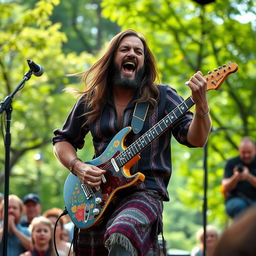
column 205, row 196
column 205, row 207
column 6, row 106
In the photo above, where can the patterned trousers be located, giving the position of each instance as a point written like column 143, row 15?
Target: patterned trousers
column 134, row 224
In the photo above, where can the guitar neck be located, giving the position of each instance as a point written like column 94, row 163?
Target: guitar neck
column 154, row 132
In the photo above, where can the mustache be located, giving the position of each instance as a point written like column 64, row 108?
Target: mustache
column 130, row 59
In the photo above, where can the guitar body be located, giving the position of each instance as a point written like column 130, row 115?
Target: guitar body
column 86, row 205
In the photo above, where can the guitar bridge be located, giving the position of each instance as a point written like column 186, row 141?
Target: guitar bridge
column 87, row 191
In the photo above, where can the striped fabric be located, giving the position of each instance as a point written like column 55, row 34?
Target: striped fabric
column 137, row 217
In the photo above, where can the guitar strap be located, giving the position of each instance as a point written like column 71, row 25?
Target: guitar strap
column 139, row 116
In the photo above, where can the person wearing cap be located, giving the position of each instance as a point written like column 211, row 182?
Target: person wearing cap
column 32, row 208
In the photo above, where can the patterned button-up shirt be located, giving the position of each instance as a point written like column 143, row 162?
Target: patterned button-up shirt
column 155, row 162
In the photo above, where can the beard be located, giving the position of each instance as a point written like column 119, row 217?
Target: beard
column 127, row 83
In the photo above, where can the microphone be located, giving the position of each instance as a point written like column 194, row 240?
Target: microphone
column 35, row 68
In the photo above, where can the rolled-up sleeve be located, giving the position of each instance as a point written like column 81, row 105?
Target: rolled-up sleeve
column 73, row 130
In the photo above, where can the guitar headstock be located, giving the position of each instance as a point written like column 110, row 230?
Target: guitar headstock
column 216, row 77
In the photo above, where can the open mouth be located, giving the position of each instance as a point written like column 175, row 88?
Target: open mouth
column 129, row 67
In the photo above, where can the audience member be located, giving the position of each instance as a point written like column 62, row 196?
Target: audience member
column 41, row 232
column 69, row 225
column 63, row 247
column 18, row 237
column 32, row 208
column 211, row 239
column 239, row 182
column 65, row 235
column 239, row 238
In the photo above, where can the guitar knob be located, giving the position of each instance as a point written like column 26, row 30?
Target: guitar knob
column 96, row 211
column 98, row 200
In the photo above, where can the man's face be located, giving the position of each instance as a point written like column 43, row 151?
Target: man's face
column 32, row 210
column 247, row 152
column 14, row 209
column 129, row 63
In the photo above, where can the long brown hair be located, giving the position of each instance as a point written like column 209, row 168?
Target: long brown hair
column 97, row 78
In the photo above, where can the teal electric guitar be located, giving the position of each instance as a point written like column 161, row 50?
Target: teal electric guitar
column 86, row 205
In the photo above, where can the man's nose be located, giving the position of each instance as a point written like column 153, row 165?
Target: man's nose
column 131, row 53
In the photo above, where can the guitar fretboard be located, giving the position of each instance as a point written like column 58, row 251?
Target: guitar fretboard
column 156, row 130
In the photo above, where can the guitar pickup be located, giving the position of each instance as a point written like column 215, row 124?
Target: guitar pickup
column 103, row 179
column 113, row 162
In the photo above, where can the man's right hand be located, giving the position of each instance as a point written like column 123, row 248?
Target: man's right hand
column 89, row 174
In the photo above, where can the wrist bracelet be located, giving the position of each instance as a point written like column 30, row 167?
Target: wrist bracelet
column 203, row 115
column 72, row 164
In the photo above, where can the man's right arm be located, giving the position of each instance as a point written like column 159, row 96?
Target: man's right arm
column 87, row 173
column 65, row 152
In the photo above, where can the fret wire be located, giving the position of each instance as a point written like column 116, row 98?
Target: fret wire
column 158, row 127
column 186, row 105
column 132, row 149
column 167, row 120
column 118, row 161
column 181, row 107
column 146, row 137
column 139, row 143
column 177, row 112
column 135, row 146
column 142, row 142
column 128, row 151
column 163, row 124
column 154, row 130
column 121, row 158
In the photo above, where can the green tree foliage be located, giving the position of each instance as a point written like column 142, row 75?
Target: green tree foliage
column 186, row 37
column 41, row 105
column 82, row 22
